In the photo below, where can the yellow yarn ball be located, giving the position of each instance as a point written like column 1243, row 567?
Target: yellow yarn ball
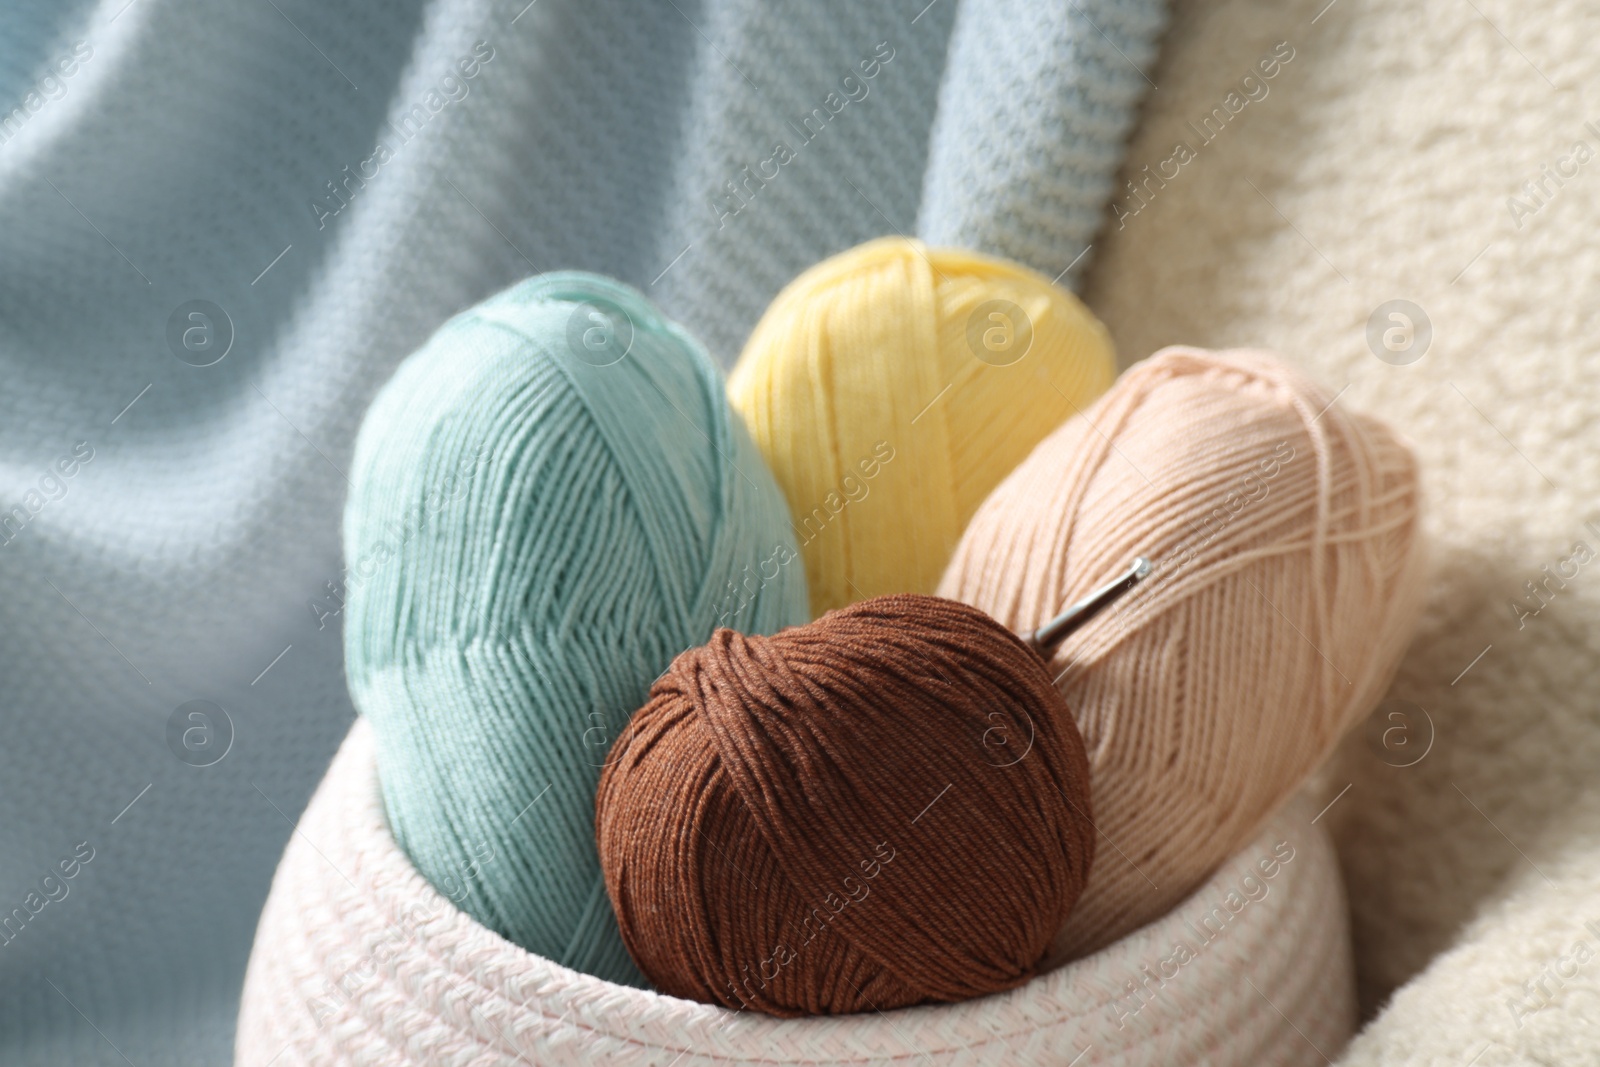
column 892, row 387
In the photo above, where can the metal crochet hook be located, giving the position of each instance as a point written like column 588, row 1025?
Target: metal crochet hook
column 1045, row 639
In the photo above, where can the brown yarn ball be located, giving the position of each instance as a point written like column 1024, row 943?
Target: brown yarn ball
column 884, row 807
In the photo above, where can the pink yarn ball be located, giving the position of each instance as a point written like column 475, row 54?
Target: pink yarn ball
column 1288, row 575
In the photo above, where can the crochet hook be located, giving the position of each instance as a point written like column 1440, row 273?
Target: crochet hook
column 1045, row 639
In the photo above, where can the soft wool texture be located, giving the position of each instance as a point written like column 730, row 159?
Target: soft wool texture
column 181, row 162
column 1287, row 577
column 1383, row 162
column 1522, row 985
column 896, row 380
column 383, row 971
column 550, row 500
column 885, row 807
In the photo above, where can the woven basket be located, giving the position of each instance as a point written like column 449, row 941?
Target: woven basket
column 358, row 960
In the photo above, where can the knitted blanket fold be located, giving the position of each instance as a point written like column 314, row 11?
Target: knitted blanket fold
column 324, row 184
column 358, row 960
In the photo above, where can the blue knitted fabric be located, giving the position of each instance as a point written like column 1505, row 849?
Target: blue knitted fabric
column 330, row 177
column 1034, row 110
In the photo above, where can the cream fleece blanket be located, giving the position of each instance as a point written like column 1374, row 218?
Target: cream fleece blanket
column 1446, row 153
column 359, row 960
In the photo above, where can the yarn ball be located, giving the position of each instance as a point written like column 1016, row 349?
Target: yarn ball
column 887, row 806
column 550, row 500
column 1287, row 555
column 896, row 381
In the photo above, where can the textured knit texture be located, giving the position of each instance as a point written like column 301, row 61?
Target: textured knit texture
column 379, row 969
column 182, row 162
column 550, row 500
column 887, row 806
column 894, row 380
column 1287, row 576
column 1033, row 112
column 1384, row 163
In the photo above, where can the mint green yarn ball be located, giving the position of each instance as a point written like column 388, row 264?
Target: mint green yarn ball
column 551, row 499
